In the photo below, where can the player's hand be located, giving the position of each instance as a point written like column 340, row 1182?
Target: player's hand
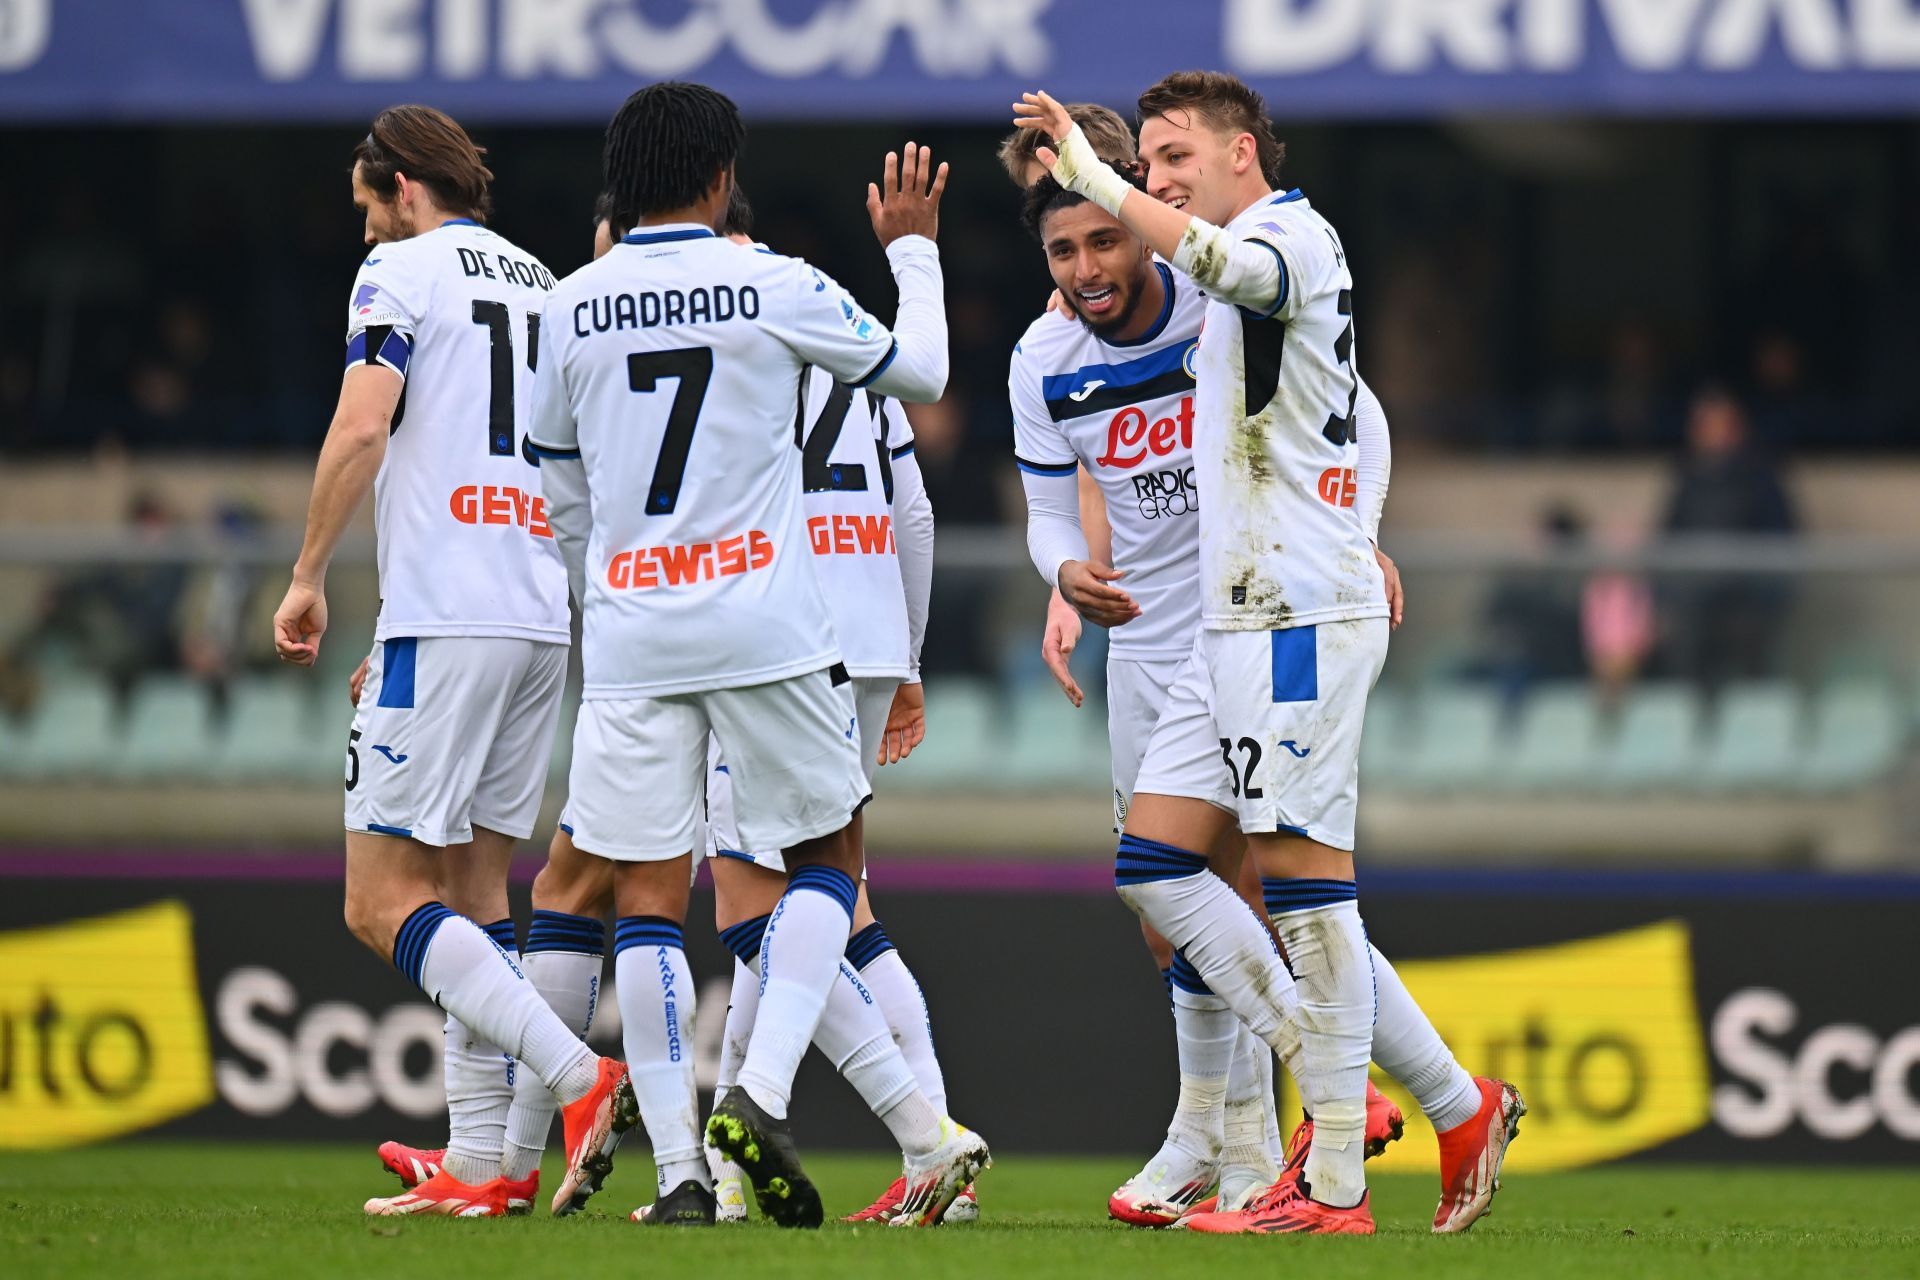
column 906, row 724
column 1039, row 111
column 1056, row 646
column 1396, row 597
column 1057, row 301
column 1083, row 585
column 299, row 623
column 357, row 681
column 903, row 204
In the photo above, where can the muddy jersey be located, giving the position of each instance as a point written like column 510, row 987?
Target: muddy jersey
column 1280, row 544
column 463, row 541
column 1126, row 412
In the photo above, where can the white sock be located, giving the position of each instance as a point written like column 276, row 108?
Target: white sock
column 479, row 1084
column 655, row 990
column 854, row 1036
column 886, row 975
column 480, row 1087
column 1207, row 1034
column 1408, row 1048
column 1276, row 1145
column 563, row 961
column 1319, row 920
column 1249, row 1104
column 800, row 962
column 743, row 1002
column 466, row 973
column 1199, row 913
column 741, row 1007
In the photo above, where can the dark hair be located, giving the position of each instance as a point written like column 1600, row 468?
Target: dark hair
column 432, row 150
column 738, row 220
column 1111, row 138
column 1226, row 104
column 665, row 147
column 1046, row 195
column 603, row 212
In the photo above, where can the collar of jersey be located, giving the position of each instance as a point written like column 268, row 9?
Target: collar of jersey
column 668, row 231
column 1166, row 311
column 460, row 222
column 1289, row 197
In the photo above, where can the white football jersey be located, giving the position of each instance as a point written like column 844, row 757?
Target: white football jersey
column 463, row 540
column 672, row 367
column 1280, row 543
column 847, row 447
column 1125, row 411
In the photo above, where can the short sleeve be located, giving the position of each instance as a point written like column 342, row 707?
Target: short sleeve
column 383, row 314
column 1309, row 259
column 1039, row 445
column 551, row 430
column 826, row 327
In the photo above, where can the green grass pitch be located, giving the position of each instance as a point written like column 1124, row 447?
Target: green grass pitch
column 145, row 1210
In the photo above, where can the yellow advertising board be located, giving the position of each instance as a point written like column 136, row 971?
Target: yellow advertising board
column 101, row 1029
column 1601, row 1036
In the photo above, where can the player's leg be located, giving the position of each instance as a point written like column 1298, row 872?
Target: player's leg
column 480, row 1076
column 423, row 703
column 656, row 993
column 1288, row 706
column 794, row 754
column 1181, row 810
column 634, row 798
column 563, row 959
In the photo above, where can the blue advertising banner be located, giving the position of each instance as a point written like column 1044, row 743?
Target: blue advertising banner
column 531, row 60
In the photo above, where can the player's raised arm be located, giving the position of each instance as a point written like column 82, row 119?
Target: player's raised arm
column 1244, row 273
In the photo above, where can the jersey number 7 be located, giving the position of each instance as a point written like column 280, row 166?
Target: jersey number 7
column 692, row 367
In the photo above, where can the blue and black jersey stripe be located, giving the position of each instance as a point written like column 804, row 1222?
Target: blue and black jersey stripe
column 1159, row 373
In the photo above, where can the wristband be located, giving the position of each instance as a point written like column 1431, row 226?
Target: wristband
column 1080, row 170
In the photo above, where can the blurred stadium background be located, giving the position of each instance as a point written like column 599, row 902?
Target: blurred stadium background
column 1635, row 288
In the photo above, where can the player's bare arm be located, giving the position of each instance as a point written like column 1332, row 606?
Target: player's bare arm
column 1201, row 249
column 356, row 445
column 906, row 724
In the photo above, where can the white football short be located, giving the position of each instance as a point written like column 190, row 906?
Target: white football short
column 1139, row 699
column 1283, row 710
column 636, row 790
column 453, row 733
column 872, row 697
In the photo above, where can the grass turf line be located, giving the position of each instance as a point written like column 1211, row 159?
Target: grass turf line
column 148, row 1210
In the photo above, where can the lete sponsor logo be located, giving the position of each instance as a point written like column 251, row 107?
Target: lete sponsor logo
column 101, row 1030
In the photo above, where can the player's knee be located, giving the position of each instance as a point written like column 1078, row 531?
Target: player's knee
column 1157, row 944
column 372, row 922
column 1149, row 875
column 579, row 885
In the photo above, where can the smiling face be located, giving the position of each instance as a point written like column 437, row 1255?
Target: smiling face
column 1103, row 270
column 1194, row 167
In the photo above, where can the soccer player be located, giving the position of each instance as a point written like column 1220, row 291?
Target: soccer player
column 1294, row 626
column 871, row 528
column 447, row 754
column 681, row 525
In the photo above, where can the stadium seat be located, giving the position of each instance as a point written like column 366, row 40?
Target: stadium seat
column 1656, row 741
column 169, row 731
column 1055, row 744
column 1859, row 732
column 71, row 730
column 1759, row 739
column 1556, row 742
column 962, row 744
column 1455, row 741
column 1386, row 736
column 269, row 730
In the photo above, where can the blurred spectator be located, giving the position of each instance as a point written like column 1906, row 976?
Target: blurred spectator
column 219, row 610
column 1724, row 626
column 1532, row 628
column 959, row 618
column 119, row 622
